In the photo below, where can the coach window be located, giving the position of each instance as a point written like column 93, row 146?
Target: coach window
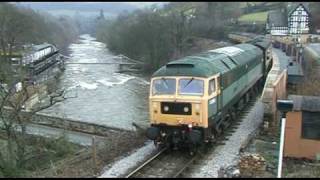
column 212, row 86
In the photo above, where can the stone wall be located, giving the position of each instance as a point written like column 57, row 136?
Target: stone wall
column 274, row 89
column 67, row 123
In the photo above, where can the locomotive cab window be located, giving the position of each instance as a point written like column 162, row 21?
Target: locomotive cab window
column 191, row 86
column 164, row 86
column 212, row 86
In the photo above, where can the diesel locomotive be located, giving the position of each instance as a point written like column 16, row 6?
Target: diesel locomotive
column 193, row 99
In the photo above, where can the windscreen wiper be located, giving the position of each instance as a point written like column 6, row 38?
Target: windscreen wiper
column 189, row 82
column 165, row 81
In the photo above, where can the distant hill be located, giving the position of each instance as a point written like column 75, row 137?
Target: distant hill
column 88, row 8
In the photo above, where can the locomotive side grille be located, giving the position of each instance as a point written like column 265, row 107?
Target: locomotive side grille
column 176, row 108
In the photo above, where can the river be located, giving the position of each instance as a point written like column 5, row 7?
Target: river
column 101, row 95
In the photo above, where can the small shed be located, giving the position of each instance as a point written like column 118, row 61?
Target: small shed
column 302, row 131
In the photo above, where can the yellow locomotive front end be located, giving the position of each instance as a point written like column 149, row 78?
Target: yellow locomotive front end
column 176, row 101
column 178, row 110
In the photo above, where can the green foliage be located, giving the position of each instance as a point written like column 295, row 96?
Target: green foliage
column 254, row 17
column 61, row 146
column 315, row 15
column 10, row 171
column 39, row 152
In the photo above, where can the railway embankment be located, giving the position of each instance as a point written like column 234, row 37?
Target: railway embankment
column 228, row 154
column 127, row 162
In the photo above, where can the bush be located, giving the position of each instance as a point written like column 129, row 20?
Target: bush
column 61, row 146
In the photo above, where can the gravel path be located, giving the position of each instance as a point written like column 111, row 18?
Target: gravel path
column 123, row 165
column 228, row 154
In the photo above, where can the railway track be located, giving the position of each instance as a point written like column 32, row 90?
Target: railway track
column 164, row 164
column 173, row 164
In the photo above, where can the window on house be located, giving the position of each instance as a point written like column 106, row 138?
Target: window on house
column 310, row 125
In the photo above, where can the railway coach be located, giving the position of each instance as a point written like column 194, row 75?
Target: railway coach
column 193, row 99
column 311, row 60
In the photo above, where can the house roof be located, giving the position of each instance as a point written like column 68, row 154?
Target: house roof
column 277, row 18
column 295, row 5
column 305, row 103
column 42, row 46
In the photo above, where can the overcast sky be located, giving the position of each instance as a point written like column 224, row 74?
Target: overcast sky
column 86, row 8
column 143, row 4
column 137, row 4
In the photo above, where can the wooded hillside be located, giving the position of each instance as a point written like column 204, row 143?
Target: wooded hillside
column 156, row 35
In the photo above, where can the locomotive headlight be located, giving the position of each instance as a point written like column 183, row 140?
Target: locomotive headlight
column 166, row 108
column 197, row 107
column 154, row 105
column 186, row 109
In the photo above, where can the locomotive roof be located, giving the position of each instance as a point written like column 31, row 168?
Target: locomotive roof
column 261, row 41
column 209, row 63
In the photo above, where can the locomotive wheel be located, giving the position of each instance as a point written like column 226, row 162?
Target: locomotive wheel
column 256, row 89
column 246, row 98
column 232, row 114
column 218, row 131
column 226, row 123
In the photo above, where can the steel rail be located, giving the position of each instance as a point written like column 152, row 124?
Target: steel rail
column 145, row 163
column 185, row 166
column 98, row 63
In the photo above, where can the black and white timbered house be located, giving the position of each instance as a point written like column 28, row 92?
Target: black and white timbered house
column 298, row 19
column 294, row 20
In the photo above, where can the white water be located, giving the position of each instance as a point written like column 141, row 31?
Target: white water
column 103, row 95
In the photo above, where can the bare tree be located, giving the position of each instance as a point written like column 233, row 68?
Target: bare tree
column 14, row 28
column 18, row 27
column 14, row 119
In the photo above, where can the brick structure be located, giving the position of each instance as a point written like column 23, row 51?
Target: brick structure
column 302, row 131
